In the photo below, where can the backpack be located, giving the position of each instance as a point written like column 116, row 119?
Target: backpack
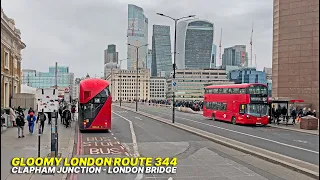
column 67, row 114
column 42, row 117
column 20, row 121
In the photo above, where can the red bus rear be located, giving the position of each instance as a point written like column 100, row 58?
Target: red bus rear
column 237, row 103
column 94, row 105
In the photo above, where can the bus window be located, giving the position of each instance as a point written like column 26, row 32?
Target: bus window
column 264, row 90
column 258, row 110
column 235, row 90
column 225, row 91
column 242, row 91
column 215, row 91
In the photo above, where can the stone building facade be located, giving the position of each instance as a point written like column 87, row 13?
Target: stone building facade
column 295, row 64
column 11, row 46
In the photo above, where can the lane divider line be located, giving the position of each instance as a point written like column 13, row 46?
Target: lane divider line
column 134, row 142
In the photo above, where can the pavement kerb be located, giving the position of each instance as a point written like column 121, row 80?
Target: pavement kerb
column 258, row 152
column 296, row 130
column 70, row 147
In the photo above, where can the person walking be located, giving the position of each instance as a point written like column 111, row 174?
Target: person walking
column 31, row 118
column 13, row 116
column 20, row 125
column 73, row 111
column 66, row 116
column 30, row 110
column 42, row 117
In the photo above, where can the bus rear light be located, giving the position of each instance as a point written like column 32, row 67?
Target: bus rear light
column 106, row 123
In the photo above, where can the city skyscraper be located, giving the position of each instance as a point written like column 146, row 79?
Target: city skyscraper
column 110, row 54
column 110, row 59
column 235, row 56
column 194, row 44
column 149, row 60
column 295, row 61
column 137, row 34
column 161, row 50
column 214, row 56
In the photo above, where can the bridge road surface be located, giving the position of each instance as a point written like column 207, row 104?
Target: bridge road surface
column 198, row 158
column 297, row 145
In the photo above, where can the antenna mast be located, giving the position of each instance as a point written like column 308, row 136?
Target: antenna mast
column 220, row 57
column 251, row 45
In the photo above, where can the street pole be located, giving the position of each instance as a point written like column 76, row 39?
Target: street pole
column 174, row 58
column 39, row 138
column 174, row 69
column 120, row 82
column 137, row 65
column 137, row 69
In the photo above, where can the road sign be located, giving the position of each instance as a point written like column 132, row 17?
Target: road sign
column 174, row 83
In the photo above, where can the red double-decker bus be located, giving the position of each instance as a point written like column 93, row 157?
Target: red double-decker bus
column 237, row 103
column 94, row 111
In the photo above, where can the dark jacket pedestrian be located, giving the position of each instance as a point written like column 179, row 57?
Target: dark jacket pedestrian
column 42, row 118
column 20, row 124
column 294, row 115
column 30, row 110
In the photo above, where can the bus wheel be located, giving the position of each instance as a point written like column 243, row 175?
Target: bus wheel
column 234, row 120
column 213, row 117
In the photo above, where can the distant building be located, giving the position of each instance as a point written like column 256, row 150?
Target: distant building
column 37, row 79
column 124, row 81
column 149, row 60
column 11, row 48
column 247, row 75
column 161, row 50
column 190, row 83
column 110, row 59
column 194, row 44
column 268, row 72
column 213, row 63
column 295, row 56
column 137, row 34
column 158, row 88
column 235, row 56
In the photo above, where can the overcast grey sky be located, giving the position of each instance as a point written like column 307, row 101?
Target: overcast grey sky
column 75, row 32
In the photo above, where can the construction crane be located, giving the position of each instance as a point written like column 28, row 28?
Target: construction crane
column 251, row 45
column 220, row 50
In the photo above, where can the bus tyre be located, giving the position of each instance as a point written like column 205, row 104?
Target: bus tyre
column 234, row 120
column 213, row 117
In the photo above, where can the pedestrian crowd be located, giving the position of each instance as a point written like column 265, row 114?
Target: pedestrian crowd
column 194, row 105
column 295, row 113
column 18, row 118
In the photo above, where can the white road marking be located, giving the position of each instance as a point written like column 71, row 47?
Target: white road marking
column 138, row 118
column 257, row 137
column 301, row 141
column 170, row 178
column 134, row 142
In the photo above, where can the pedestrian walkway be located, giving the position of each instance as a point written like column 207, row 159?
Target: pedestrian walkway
column 12, row 146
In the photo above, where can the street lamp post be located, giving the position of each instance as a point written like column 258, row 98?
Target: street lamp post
column 137, row 66
column 121, row 79
column 174, row 56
